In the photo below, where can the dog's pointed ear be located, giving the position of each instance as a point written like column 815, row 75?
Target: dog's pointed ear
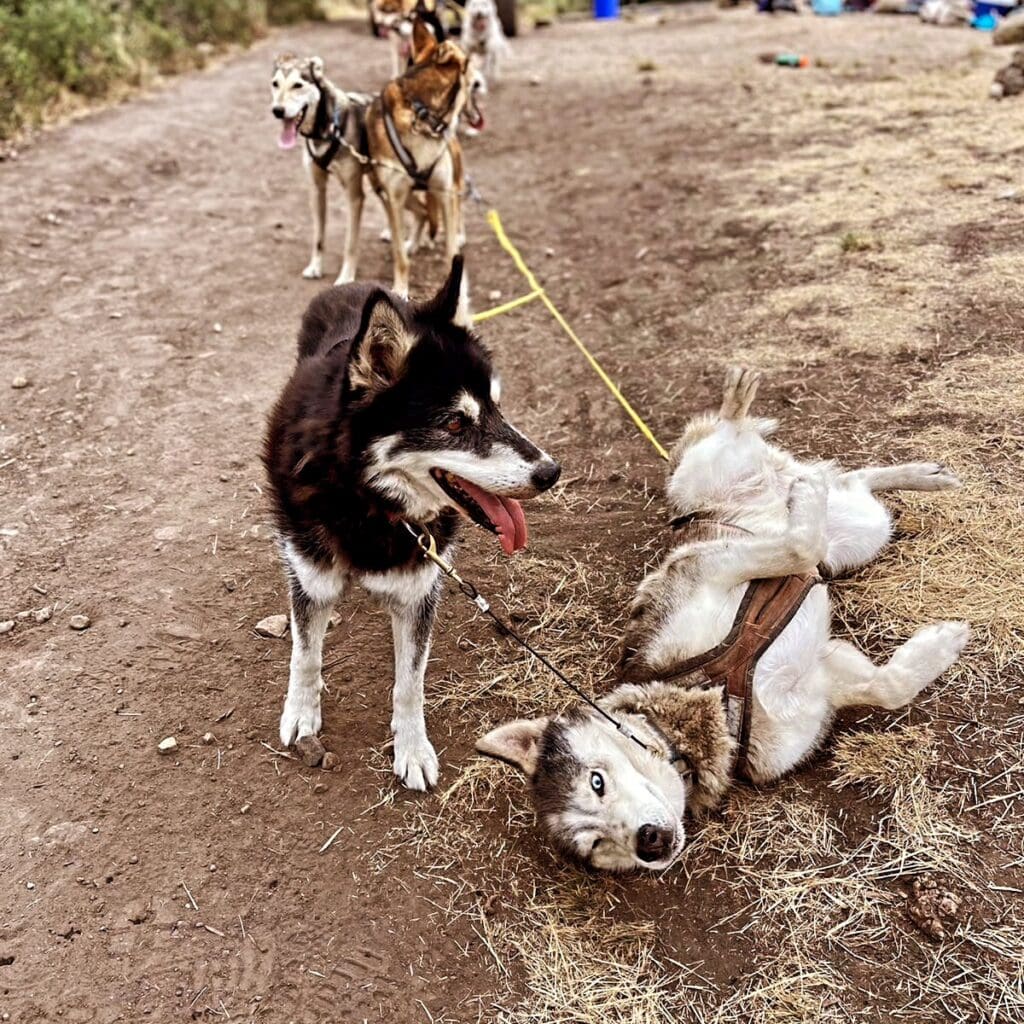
column 451, row 304
column 381, row 345
column 423, row 42
column 515, row 742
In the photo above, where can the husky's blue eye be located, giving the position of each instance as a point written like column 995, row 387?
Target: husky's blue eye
column 597, row 783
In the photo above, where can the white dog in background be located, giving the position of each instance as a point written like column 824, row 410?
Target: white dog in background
column 482, row 35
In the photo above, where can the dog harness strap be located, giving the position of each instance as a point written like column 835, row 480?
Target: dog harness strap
column 405, row 158
column 767, row 609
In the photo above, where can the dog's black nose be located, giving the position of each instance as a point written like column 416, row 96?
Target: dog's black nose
column 653, row 842
column 546, row 475
column 277, row 111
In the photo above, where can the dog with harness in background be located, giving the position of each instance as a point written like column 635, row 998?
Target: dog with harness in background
column 390, row 427
column 728, row 664
column 482, row 36
column 414, row 148
column 332, row 124
column 393, row 20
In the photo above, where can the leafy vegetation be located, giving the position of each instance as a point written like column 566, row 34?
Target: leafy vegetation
column 53, row 49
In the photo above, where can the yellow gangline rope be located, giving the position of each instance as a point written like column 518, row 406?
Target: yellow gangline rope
column 505, row 307
column 538, row 292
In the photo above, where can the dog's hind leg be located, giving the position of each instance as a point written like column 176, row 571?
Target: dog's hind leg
column 856, row 681
column 318, row 208
column 354, row 188
column 910, row 476
column 301, row 715
column 412, row 619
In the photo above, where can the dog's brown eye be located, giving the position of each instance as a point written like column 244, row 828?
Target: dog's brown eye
column 456, row 423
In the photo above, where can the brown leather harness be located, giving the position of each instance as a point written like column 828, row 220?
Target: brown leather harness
column 767, row 608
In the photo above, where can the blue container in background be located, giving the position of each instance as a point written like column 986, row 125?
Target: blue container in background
column 829, row 8
column 604, row 9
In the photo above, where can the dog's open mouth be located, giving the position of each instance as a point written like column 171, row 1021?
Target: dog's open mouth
column 290, row 130
column 502, row 516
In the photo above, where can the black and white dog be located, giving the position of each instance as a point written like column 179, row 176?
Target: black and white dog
column 391, row 417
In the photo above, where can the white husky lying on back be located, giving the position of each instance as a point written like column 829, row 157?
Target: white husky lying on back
column 747, row 511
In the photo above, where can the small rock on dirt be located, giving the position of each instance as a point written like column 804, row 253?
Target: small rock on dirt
column 208, row 738
column 273, row 626
column 43, row 614
column 137, row 911
column 330, row 763
column 168, row 745
column 79, row 622
column 19, row 382
column 6, row 626
column 311, row 750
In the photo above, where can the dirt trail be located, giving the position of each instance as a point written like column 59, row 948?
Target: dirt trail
column 150, row 286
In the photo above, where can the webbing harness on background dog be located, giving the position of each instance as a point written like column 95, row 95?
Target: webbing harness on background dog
column 428, row 546
column 335, row 137
column 767, row 608
column 420, row 176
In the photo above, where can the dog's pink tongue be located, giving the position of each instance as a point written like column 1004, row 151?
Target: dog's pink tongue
column 289, row 133
column 505, row 513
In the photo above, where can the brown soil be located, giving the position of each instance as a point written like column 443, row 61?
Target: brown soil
column 683, row 218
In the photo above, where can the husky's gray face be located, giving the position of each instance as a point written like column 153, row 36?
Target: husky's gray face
column 429, row 417
column 601, row 799
column 294, row 95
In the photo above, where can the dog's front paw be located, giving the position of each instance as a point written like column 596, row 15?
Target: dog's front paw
column 415, row 762
column 347, row 276
column 313, row 271
column 301, row 717
column 808, row 499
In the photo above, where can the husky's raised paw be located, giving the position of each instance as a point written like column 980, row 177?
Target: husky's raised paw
column 416, row 762
column 738, row 392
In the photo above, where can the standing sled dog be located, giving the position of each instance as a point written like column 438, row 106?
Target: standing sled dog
column 391, row 417
column 727, row 658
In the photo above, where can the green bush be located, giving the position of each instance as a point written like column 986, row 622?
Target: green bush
column 52, row 47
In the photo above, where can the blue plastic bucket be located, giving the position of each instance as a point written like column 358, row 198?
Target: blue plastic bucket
column 604, row 9
column 829, row 8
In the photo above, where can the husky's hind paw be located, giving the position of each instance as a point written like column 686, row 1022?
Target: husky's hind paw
column 300, row 718
column 738, row 392
column 933, row 476
column 415, row 762
column 313, row 272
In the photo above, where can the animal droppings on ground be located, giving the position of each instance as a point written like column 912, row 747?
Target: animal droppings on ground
column 931, row 908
